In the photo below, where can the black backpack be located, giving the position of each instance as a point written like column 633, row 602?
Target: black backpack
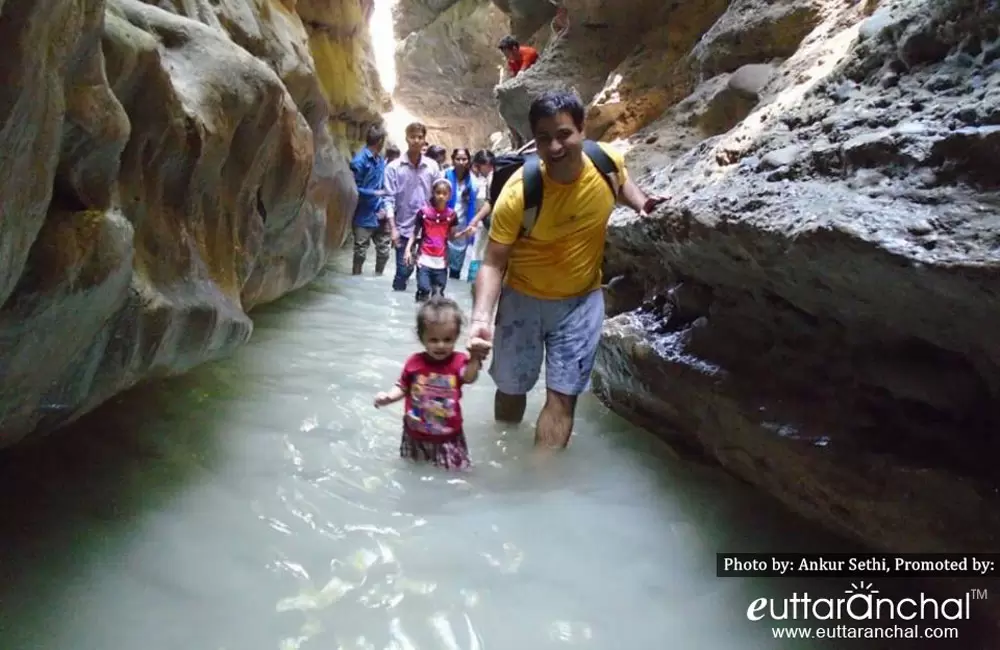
column 506, row 164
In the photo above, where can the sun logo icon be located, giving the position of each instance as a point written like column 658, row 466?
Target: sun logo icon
column 861, row 588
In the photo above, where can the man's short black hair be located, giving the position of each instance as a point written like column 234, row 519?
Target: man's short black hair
column 376, row 135
column 508, row 43
column 553, row 102
column 435, row 151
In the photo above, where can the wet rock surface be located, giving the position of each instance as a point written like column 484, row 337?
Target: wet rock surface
column 169, row 166
column 821, row 290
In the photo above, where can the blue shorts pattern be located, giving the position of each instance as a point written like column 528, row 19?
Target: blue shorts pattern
column 563, row 333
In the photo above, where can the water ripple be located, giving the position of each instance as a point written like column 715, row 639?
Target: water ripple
column 261, row 503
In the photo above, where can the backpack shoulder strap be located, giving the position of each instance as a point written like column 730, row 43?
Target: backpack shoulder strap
column 604, row 164
column 532, row 184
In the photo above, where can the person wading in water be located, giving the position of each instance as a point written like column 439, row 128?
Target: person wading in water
column 463, row 202
column 546, row 283
column 408, row 182
column 369, row 225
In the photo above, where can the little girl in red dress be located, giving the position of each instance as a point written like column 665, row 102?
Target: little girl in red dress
column 436, row 225
column 431, row 383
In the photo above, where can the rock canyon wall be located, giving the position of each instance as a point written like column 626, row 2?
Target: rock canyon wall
column 447, row 64
column 169, row 165
column 815, row 307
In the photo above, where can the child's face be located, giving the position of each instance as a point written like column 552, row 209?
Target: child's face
column 439, row 338
column 442, row 193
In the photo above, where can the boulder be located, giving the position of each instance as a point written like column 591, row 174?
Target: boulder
column 842, row 242
column 600, row 36
column 177, row 167
column 447, row 68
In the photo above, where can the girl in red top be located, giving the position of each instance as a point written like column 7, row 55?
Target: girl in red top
column 431, row 384
column 436, row 224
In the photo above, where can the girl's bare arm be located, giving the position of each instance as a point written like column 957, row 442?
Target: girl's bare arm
column 471, row 373
column 394, row 394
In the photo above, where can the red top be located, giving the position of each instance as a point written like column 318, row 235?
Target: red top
column 432, row 230
column 528, row 57
column 433, row 396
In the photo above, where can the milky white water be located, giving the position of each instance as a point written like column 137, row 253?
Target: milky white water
column 259, row 503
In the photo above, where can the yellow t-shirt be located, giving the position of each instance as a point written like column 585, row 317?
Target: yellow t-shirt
column 564, row 254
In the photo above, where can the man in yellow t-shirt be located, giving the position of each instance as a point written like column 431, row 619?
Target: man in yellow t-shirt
column 546, row 283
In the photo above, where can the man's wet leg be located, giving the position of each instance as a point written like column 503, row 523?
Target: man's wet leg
column 383, row 248
column 403, row 272
column 362, row 240
column 509, row 408
column 555, row 422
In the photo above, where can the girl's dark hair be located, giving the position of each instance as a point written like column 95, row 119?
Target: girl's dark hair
column 483, row 157
column 438, row 309
column 435, row 151
column 468, row 168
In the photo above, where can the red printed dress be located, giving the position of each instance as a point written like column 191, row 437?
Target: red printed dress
column 432, row 424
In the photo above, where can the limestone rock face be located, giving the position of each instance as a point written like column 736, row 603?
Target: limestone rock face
column 169, row 165
column 345, row 67
column 815, row 306
column 600, row 36
column 415, row 15
column 447, row 65
column 527, row 17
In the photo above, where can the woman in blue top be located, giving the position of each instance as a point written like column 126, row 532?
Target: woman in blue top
column 463, row 202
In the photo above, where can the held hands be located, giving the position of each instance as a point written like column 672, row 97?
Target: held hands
column 408, row 257
column 480, row 339
column 479, row 348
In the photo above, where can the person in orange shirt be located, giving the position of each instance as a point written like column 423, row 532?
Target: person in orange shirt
column 519, row 57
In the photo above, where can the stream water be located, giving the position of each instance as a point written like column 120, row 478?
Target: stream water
column 259, row 503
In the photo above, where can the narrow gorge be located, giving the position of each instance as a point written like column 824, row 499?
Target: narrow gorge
column 814, row 308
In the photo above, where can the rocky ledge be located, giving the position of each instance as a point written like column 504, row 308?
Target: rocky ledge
column 168, row 165
column 816, row 307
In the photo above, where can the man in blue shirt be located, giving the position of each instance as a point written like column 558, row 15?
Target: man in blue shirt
column 369, row 223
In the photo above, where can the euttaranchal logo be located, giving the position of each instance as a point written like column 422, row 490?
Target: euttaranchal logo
column 861, row 604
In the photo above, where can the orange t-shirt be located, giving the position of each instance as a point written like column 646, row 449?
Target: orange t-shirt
column 528, row 57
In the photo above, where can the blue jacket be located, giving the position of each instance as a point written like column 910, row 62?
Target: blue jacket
column 369, row 176
column 468, row 188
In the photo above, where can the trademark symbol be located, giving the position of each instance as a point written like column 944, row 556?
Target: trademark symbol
column 980, row 594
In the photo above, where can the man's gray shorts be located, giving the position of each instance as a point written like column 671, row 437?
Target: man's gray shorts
column 565, row 333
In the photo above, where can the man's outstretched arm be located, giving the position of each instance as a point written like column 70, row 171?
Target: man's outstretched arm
column 638, row 200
